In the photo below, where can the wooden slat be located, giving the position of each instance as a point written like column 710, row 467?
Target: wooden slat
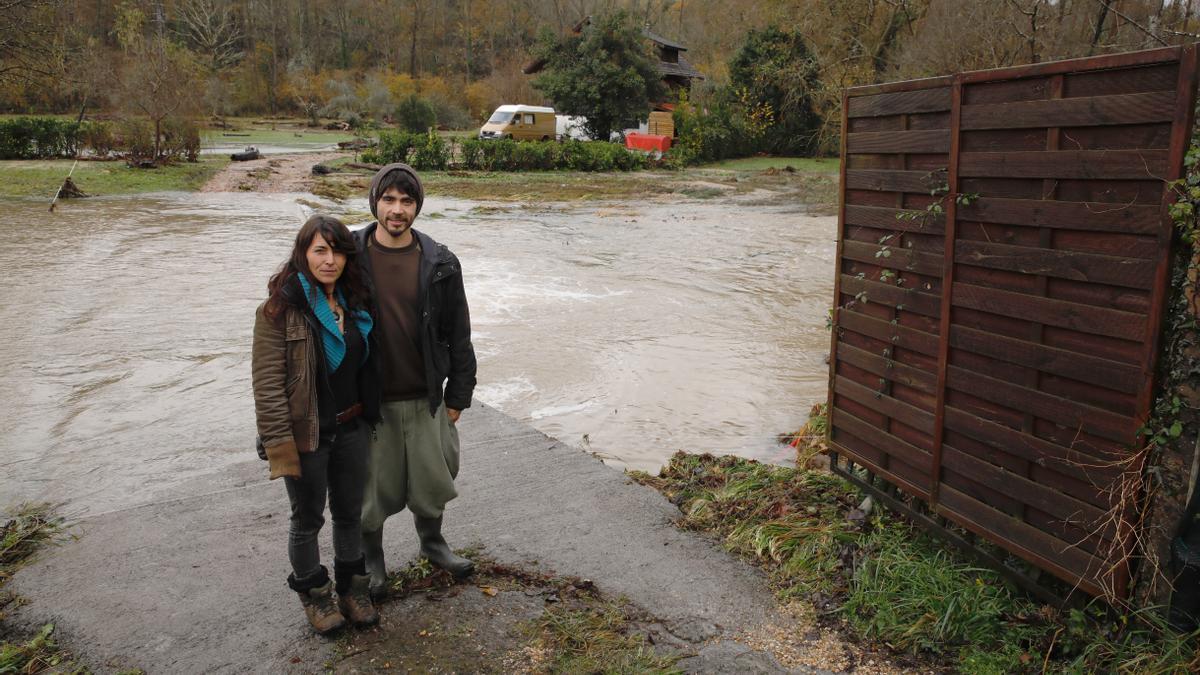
column 857, row 449
column 898, row 142
column 1063, row 507
column 1089, row 216
column 898, row 103
column 1084, row 318
column 889, row 181
column 903, row 85
column 1089, row 111
column 1065, row 560
column 885, row 218
column 1098, row 471
column 1086, row 267
column 1085, row 164
column 907, row 259
column 876, row 364
column 900, row 336
column 907, row 452
column 911, row 300
column 896, row 409
column 1091, row 63
column 1063, row 411
column 1114, row 375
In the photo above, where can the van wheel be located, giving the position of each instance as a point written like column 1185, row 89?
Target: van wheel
column 545, row 138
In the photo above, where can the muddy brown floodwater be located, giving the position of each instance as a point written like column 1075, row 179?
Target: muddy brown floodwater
column 631, row 331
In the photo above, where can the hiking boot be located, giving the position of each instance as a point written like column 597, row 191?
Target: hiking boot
column 320, row 609
column 435, row 548
column 372, row 545
column 354, row 599
column 355, row 602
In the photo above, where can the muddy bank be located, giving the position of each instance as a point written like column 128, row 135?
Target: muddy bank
column 271, row 173
column 293, row 173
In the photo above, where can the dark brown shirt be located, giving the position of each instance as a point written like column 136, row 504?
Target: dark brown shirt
column 395, row 272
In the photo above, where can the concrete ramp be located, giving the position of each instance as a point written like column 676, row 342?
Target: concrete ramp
column 196, row 584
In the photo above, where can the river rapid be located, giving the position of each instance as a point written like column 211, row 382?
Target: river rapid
column 631, row 331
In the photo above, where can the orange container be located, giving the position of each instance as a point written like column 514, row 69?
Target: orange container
column 647, row 142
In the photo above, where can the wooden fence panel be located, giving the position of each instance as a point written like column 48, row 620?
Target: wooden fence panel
column 994, row 344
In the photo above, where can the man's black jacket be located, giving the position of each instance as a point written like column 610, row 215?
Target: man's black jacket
column 445, row 320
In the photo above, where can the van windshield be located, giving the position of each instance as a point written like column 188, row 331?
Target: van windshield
column 499, row 117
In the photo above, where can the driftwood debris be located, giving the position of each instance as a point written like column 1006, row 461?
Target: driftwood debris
column 246, row 155
column 321, row 170
column 70, row 190
column 356, row 144
column 360, row 165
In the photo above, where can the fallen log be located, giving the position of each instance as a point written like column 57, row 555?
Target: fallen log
column 246, row 155
column 360, row 165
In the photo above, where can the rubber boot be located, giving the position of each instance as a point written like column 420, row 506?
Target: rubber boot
column 372, row 546
column 434, row 547
column 354, row 599
column 316, row 595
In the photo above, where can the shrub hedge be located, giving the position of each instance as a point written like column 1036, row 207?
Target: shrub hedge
column 430, row 151
column 37, row 138
column 53, row 137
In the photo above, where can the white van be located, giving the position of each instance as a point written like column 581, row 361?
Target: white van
column 520, row 123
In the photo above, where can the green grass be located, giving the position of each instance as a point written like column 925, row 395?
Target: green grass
column 913, row 594
column 594, row 639
column 791, row 520
column 803, row 164
column 896, row 585
column 41, row 178
column 26, row 529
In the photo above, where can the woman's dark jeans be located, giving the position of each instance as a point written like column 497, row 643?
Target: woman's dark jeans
column 338, row 467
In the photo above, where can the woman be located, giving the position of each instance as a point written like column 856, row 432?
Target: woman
column 315, row 392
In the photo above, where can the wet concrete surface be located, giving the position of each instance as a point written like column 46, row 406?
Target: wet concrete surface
column 197, row 583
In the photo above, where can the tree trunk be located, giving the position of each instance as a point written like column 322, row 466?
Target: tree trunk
column 1100, row 17
column 412, row 48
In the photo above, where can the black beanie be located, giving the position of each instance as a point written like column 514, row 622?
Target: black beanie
column 375, row 192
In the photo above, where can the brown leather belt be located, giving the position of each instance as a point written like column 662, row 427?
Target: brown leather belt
column 349, row 413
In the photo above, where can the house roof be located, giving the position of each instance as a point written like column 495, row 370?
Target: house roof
column 655, row 37
column 681, row 69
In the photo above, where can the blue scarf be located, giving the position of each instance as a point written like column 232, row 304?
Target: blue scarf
column 331, row 337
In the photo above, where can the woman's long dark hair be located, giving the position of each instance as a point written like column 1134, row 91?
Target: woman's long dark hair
column 284, row 289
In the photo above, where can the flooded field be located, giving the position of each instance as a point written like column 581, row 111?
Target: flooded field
column 630, row 331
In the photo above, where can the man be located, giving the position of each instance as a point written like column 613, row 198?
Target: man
column 424, row 344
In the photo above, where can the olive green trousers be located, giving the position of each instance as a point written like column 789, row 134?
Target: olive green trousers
column 413, row 463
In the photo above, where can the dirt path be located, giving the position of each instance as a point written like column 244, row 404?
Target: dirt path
column 272, row 173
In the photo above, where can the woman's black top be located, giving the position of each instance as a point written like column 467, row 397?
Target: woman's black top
column 344, row 381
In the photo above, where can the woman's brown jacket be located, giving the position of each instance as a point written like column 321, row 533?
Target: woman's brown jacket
column 284, row 372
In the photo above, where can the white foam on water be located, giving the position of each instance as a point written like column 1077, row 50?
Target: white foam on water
column 556, row 410
column 504, row 392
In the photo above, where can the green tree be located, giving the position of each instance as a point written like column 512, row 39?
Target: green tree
column 772, row 78
column 415, row 114
column 604, row 73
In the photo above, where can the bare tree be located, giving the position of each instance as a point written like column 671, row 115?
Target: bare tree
column 159, row 83
column 1028, row 33
column 213, row 31
column 27, row 38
